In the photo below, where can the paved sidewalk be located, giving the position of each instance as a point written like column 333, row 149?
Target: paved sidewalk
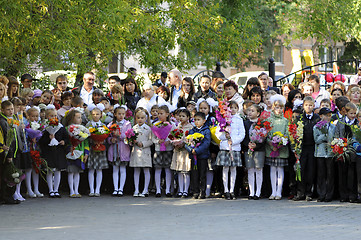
column 152, row 218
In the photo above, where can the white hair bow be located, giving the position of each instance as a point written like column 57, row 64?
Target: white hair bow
column 50, row 106
column 278, row 97
column 210, row 101
column 297, row 103
column 99, row 106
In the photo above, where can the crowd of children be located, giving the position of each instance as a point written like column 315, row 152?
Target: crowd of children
column 253, row 152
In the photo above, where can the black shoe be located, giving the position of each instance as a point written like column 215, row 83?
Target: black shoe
column 255, row 197
column 343, row 200
column 158, row 195
column 233, row 197
column 309, row 199
column 321, row 200
column 185, row 195
column 179, row 195
column 328, row 199
column 298, row 198
column 202, row 196
column 250, row 197
column 353, row 200
column 168, row 195
column 11, row 201
column 227, row 196
column 195, row 196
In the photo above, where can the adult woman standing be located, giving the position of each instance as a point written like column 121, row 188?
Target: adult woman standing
column 187, row 92
column 61, row 82
column 13, row 89
column 292, row 97
column 163, row 92
column 131, row 93
column 251, row 83
column 231, row 94
column 286, row 88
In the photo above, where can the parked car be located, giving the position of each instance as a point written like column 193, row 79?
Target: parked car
column 242, row 77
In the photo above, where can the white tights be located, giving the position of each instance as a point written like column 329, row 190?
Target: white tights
column 168, row 179
column 53, row 186
column 277, row 175
column 146, row 180
column 209, row 182
column 123, row 175
column 183, row 182
column 259, row 180
column 30, row 173
column 73, row 181
column 98, row 180
column 233, row 171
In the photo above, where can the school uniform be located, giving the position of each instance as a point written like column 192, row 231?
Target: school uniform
column 325, row 163
column 347, row 180
column 96, row 160
column 119, row 152
column 256, row 160
column 307, row 158
column 141, row 156
column 198, row 175
column 181, row 161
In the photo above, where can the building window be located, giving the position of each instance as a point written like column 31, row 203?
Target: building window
column 278, row 54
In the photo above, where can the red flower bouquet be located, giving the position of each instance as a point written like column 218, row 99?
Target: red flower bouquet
column 98, row 135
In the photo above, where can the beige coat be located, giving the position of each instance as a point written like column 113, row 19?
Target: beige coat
column 180, row 160
column 141, row 157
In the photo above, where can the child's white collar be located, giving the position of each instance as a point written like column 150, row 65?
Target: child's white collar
column 99, row 123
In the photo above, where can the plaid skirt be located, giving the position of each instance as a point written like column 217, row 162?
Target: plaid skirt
column 162, row 159
column 256, row 160
column 277, row 162
column 224, row 159
column 97, row 160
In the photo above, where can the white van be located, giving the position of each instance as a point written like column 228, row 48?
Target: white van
column 242, row 77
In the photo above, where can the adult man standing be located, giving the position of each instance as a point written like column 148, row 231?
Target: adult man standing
column 162, row 81
column 175, row 79
column 26, row 80
column 85, row 91
column 150, row 98
column 318, row 94
column 263, row 80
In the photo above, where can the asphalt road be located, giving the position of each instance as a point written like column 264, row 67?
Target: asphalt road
column 170, row 218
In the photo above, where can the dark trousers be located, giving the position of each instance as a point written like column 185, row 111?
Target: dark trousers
column 308, row 167
column 198, row 175
column 6, row 192
column 291, row 171
column 347, row 182
column 358, row 173
column 325, row 178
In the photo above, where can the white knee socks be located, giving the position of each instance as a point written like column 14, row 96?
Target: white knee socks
column 28, row 181
column 116, row 178
column 225, row 179
column 180, row 182
column 251, row 185
column 136, row 179
column 146, row 180
column 168, row 179
column 57, row 176
column 157, row 173
column 99, row 180
column 187, row 182
column 49, row 179
column 91, row 180
column 277, row 175
column 71, row 183
column 209, row 182
column 123, row 177
column 76, row 182
column 259, row 180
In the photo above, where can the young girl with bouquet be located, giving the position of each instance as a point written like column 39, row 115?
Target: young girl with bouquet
column 181, row 163
column 141, row 153
column 276, row 149
column 97, row 160
column 79, row 153
column 53, row 144
column 118, row 151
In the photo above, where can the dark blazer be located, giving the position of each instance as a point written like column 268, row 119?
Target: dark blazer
column 308, row 125
column 259, row 146
column 182, row 101
column 276, row 89
column 209, row 94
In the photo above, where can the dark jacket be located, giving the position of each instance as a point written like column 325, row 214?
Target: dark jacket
column 210, row 120
column 202, row 150
column 308, row 125
column 259, row 146
column 76, row 90
column 277, row 90
column 55, row 155
column 205, row 95
column 13, row 148
column 132, row 100
column 182, row 101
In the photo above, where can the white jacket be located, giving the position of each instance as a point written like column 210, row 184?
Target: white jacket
column 237, row 134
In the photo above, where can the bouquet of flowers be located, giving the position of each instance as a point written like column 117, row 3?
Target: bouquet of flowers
column 322, row 126
column 259, row 133
column 114, row 129
column 34, row 130
column 278, row 140
column 130, row 136
column 12, row 175
column 38, row 162
column 342, row 149
column 224, row 118
column 194, row 140
column 213, row 129
column 77, row 134
column 98, row 135
column 52, row 126
column 161, row 130
column 129, row 115
column 11, row 132
column 177, row 135
column 356, row 133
